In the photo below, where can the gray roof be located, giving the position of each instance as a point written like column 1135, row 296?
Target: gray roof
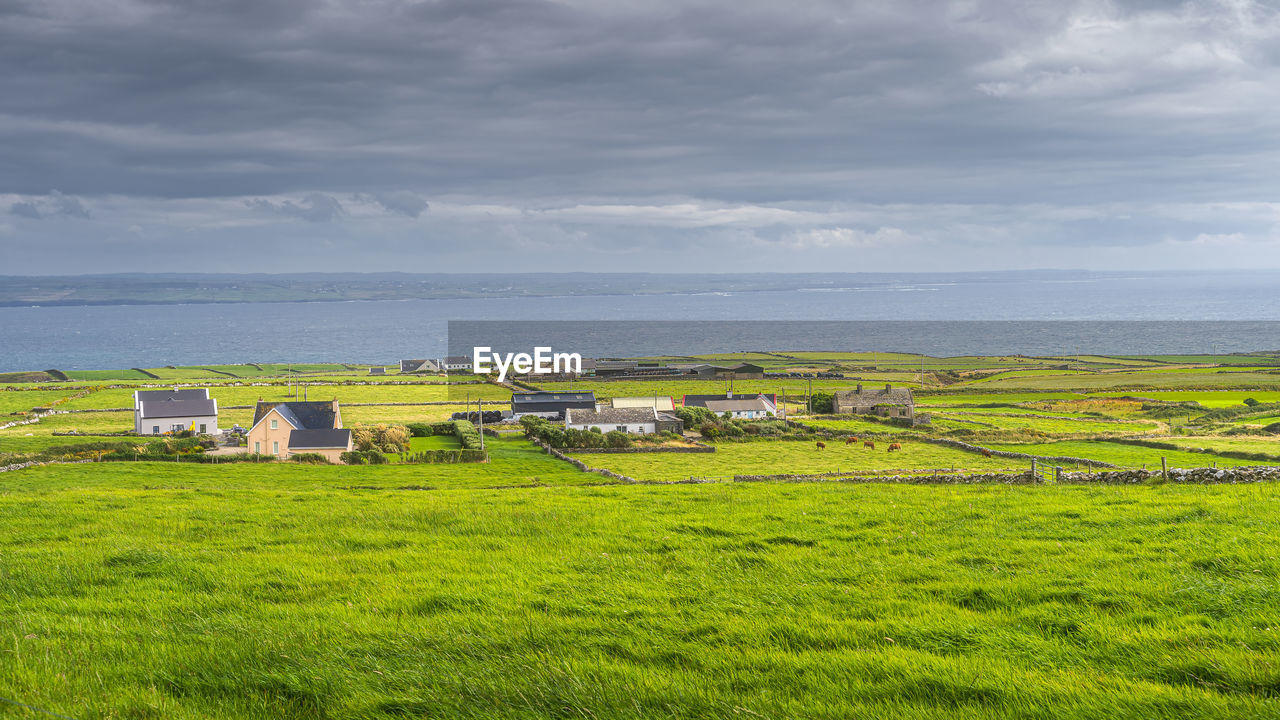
column 610, row 416
column 755, row 404
column 552, row 397
column 317, row 415
column 875, row 396
column 175, row 393
column 196, row 407
column 319, row 439
column 457, row 360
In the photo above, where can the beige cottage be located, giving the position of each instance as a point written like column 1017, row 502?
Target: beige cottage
column 284, row 429
column 888, row 402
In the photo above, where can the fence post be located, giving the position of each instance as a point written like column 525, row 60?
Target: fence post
column 1033, row 468
column 1164, row 469
column 1057, row 473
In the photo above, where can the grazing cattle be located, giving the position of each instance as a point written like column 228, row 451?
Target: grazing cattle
column 821, row 444
column 851, row 440
column 894, row 446
column 868, row 444
column 986, row 452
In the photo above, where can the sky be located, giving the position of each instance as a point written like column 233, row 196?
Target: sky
column 603, row 135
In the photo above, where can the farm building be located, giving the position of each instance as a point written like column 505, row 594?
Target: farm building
column 377, row 371
column 168, row 411
column 742, row 371
column 428, row 366
column 550, row 404
column 749, row 406
column 888, row 402
column 289, row 428
column 456, row 362
column 661, row 403
column 636, row 421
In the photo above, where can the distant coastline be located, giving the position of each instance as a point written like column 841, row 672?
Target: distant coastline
column 205, row 289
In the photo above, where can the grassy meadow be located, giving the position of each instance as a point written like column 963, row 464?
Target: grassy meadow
column 289, row 592
column 523, row 587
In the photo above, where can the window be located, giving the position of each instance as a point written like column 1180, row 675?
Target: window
column 275, row 424
column 275, row 448
column 621, row 428
column 203, row 428
column 257, row 448
column 155, row 429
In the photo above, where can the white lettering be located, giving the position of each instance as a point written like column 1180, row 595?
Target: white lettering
column 503, row 364
column 481, row 355
column 541, row 355
column 522, row 364
column 572, row 362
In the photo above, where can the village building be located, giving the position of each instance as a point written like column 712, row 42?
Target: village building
column 456, row 362
column 635, row 421
column 157, row 412
column 284, row 429
column 660, row 403
column 551, row 405
column 426, row 366
column 889, row 401
column 744, row 405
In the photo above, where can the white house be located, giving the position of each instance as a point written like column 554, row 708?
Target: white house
column 156, row 412
column 748, row 408
column 636, row 421
column 456, row 362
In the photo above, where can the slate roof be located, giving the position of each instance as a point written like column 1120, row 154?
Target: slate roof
column 168, row 408
column 610, row 416
column 314, row 415
column 175, row 393
column 319, row 439
column 875, row 396
column 534, row 398
column 755, row 404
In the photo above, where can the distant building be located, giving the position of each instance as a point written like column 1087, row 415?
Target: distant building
column 456, row 362
column 550, row 404
column 635, row 421
column 377, row 371
column 426, row 366
column 156, row 412
column 661, row 403
column 742, row 405
column 888, row 402
column 289, row 428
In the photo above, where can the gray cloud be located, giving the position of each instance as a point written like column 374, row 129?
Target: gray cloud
column 818, row 133
column 313, row 207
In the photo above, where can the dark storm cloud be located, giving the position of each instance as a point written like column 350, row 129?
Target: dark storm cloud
column 826, row 127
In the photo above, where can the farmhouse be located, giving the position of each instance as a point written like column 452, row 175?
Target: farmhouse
column 428, row 366
column 170, row 411
column 288, row 428
column 888, row 402
column 661, row 403
column 456, row 362
column 550, row 404
column 749, row 406
column 637, row 421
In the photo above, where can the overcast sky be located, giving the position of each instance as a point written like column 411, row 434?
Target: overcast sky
column 520, row 135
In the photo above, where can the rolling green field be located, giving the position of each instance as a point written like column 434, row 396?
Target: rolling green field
column 304, row 592
column 788, row 456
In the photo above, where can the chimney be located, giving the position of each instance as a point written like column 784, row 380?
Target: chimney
column 859, row 390
column 335, row 404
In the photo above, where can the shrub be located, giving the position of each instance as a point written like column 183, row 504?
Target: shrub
column 420, row 429
column 822, row 403
column 381, row 437
column 310, row 458
column 617, row 439
column 363, row 457
column 1251, row 402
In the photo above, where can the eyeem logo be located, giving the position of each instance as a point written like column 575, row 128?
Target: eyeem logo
column 541, row 362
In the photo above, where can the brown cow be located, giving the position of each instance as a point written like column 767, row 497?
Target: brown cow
column 821, row 444
column 851, row 440
column 868, row 444
column 986, row 452
column 894, row 446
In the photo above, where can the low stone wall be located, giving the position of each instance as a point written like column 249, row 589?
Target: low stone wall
column 698, row 448
column 1189, row 476
column 579, row 464
column 1045, row 459
column 938, row 478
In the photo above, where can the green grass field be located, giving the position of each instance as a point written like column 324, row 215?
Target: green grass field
column 792, row 456
column 295, row 592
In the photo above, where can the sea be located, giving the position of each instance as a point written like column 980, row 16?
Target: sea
column 1117, row 314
